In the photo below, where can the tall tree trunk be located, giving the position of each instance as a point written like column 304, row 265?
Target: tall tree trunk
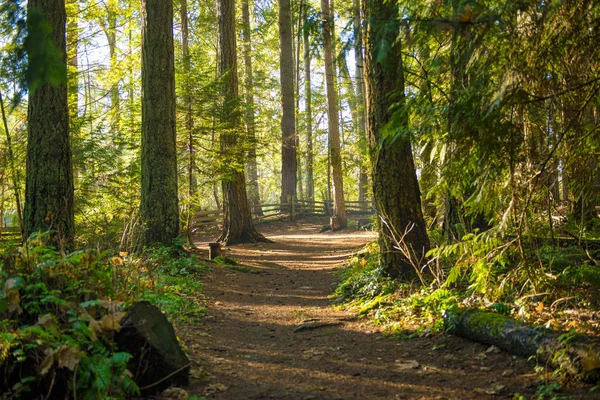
column 237, row 224
column 395, row 186
column 297, row 43
column 14, row 173
column 288, row 120
column 310, row 179
column 253, row 193
column 339, row 205
column 72, row 8
column 49, row 183
column 363, row 144
column 111, row 37
column 188, row 116
column 159, row 203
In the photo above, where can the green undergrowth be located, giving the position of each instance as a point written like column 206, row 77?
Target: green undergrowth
column 405, row 310
column 523, row 280
column 232, row 264
column 59, row 314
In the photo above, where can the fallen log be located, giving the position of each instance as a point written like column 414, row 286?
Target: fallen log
column 158, row 361
column 576, row 356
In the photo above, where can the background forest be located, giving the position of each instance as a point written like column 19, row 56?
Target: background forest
column 493, row 106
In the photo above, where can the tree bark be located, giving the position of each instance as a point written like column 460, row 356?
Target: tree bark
column 339, row 205
column 310, row 179
column 49, row 182
column 111, row 37
column 72, row 8
column 579, row 358
column 188, row 116
column 395, row 187
column 253, row 193
column 159, row 202
column 14, row 173
column 363, row 144
column 237, row 222
column 288, row 120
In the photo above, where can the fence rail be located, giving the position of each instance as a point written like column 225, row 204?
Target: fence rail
column 294, row 208
column 10, row 233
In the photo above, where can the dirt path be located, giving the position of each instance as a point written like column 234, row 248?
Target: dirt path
column 248, row 346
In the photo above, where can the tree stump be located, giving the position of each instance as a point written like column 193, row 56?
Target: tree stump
column 214, row 250
column 158, row 361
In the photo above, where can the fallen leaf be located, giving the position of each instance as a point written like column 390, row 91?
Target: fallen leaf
column 68, row 357
column 46, row 320
column 112, row 306
column 407, row 364
column 48, row 361
column 175, row 393
column 112, row 322
column 493, row 349
column 540, row 307
column 214, row 388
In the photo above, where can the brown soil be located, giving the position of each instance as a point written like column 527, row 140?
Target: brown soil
column 248, row 347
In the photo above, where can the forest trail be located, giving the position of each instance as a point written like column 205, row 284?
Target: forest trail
column 248, row 346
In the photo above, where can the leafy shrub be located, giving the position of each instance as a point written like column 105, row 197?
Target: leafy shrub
column 58, row 318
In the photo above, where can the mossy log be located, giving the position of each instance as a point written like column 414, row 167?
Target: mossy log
column 577, row 356
column 158, row 361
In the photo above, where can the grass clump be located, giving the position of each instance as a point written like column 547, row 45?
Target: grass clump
column 232, row 264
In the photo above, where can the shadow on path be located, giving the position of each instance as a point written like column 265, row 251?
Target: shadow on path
column 250, row 350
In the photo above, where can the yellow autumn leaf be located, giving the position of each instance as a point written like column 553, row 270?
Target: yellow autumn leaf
column 540, row 307
column 117, row 260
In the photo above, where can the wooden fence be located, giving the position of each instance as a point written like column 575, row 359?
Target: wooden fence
column 294, row 208
column 10, row 233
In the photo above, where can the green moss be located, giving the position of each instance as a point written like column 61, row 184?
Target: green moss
column 486, row 321
column 242, row 268
column 224, row 260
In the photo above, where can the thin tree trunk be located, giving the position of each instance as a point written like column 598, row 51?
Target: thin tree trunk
column 253, row 192
column 310, row 179
column 395, row 186
column 72, row 8
column 111, row 37
column 339, row 205
column 288, row 120
column 49, row 187
column 237, row 223
column 14, row 173
column 363, row 144
column 299, row 180
column 188, row 116
column 159, row 202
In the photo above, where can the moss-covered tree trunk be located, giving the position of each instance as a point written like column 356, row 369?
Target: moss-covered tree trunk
column 237, row 222
column 159, row 204
column 49, row 182
column 289, row 162
column 395, row 187
column 335, row 151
